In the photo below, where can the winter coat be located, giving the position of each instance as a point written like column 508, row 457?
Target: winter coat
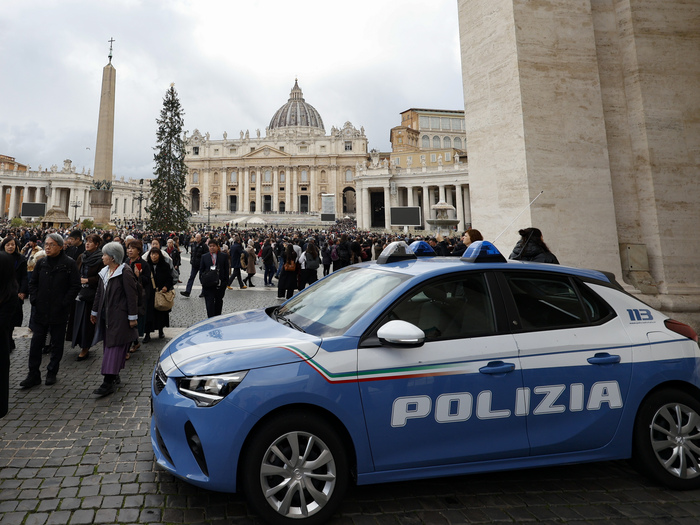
column 52, row 289
column 22, row 285
column 250, row 268
column 532, row 252
column 116, row 304
column 236, row 250
column 157, row 319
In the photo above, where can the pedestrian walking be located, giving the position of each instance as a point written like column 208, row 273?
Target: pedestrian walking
column 213, row 275
column 8, row 306
column 53, row 287
column 9, row 246
column 114, row 314
column 197, row 249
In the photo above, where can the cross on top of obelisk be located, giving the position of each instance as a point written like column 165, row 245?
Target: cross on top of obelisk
column 110, row 48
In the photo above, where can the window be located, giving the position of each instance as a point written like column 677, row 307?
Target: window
column 348, row 145
column 458, row 143
column 282, row 148
column 303, row 149
column 434, row 122
column 423, row 122
column 448, row 156
column 252, row 150
column 455, row 308
column 433, row 157
column 232, row 151
column 426, row 141
column 304, row 176
column 552, row 301
column 252, row 177
column 268, row 176
column 233, row 177
column 281, row 176
column 323, row 149
column 397, row 161
column 267, row 203
column 216, row 152
column 445, row 123
column 281, row 207
column 446, row 142
column 195, row 150
column 400, row 140
column 436, row 142
column 323, row 175
column 348, row 175
column 195, row 177
column 422, row 159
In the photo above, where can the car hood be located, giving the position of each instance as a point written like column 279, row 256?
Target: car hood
column 234, row 342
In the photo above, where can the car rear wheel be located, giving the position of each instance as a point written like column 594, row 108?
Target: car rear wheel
column 667, row 439
column 295, row 470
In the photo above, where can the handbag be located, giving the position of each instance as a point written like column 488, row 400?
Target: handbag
column 289, row 266
column 209, row 279
column 163, row 301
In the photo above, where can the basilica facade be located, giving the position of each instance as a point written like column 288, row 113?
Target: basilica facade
column 290, row 170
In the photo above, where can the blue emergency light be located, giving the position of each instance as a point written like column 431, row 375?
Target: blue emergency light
column 482, row 251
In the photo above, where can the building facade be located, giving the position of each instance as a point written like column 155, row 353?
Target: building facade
column 67, row 189
column 286, row 171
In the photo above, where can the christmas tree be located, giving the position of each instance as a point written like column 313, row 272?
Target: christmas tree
column 168, row 209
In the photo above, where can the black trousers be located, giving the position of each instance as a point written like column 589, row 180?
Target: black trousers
column 57, row 331
column 236, row 273
column 214, row 300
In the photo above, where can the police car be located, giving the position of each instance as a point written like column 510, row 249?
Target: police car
column 419, row 366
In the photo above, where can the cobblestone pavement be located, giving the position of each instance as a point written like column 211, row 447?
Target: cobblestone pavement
column 67, row 457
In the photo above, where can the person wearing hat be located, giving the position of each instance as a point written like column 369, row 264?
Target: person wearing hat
column 54, row 285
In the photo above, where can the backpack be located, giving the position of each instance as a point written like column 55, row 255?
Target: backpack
column 334, row 253
column 311, row 264
column 343, row 252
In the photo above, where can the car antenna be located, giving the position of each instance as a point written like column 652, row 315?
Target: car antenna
column 518, row 215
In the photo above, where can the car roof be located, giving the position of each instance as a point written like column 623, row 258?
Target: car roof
column 433, row 266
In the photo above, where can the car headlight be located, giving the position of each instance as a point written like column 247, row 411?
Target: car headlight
column 207, row 391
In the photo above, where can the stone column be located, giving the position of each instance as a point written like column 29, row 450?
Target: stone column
column 244, row 206
column 441, row 193
column 313, row 187
column 258, row 190
column 409, row 196
column 14, row 202
column 295, row 190
column 426, row 208
column 535, row 123
column 287, row 190
column 275, row 189
column 459, row 207
column 367, row 208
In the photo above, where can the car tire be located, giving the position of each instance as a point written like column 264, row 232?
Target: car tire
column 295, row 470
column 667, row 439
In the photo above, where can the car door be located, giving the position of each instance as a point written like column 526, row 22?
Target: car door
column 452, row 399
column 576, row 361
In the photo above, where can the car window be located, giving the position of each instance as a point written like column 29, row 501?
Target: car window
column 455, row 308
column 548, row 301
column 332, row 305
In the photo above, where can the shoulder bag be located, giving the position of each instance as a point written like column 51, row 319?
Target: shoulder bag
column 164, row 301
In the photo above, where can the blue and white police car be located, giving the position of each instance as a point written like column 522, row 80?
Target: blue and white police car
column 415, row 367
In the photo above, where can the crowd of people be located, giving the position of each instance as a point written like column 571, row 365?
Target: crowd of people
column 117, row 287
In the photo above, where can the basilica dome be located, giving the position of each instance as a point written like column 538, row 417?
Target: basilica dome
column 296, row 112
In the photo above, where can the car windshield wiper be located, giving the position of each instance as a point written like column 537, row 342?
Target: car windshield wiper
column 288, row 322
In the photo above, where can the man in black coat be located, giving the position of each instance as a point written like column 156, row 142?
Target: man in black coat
column 236, row 250
column 214, row 288
column 197, row 249
column 53, row 287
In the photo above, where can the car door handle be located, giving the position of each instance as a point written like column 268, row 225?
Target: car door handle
column 604, row 358
column 497, row 367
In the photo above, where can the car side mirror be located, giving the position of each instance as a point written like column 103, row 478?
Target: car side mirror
column 401, row 333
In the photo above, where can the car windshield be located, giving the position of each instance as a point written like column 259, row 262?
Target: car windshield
column 332, row 305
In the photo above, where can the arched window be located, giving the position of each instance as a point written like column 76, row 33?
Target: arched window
column 216, row 177
column 323, row 175
column 252, row 177
column 348, row 175
column 458, row 143
column 195, row 177
column 268, row 176
column 282, row 177
column 436, row 142
column 426, row 141
column 446, row 142
column 281, row 207
column 252, row 206
column 304, row 176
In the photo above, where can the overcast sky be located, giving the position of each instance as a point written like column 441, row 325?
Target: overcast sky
column 233, row 64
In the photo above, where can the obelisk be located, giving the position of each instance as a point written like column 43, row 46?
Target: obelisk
column 101, row 194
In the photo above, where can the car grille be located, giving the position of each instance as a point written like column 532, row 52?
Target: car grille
column 159, row 380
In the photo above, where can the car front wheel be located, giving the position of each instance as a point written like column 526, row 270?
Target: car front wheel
column 295, row 470
column 667, row 439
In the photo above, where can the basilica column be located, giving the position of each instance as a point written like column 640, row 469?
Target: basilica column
column 14, row 202
column 366, row 209
column 409, row 196
column 313, row 186
column 441, row 193
column 295, row 191
column 426, row 207
column 467, row 207
column 258, row 190
column 246, row 191
column 275, row 189
column 459, row 205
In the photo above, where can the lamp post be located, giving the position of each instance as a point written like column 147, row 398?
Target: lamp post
column 76, row 204
column 141, row 198
column 208, row 207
